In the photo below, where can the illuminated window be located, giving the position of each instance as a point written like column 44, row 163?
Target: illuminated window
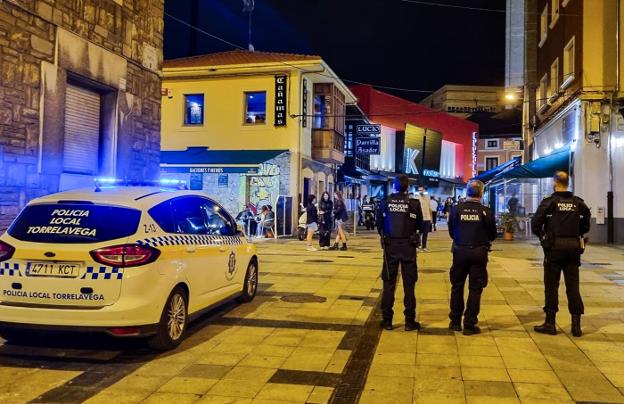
column 492, row 144
column 543, row 26
column 568, row 64
column 194, row 109
column 555, row 13
column 554, row 80
column 490, row 163
column 255, row 108
column 542, row 95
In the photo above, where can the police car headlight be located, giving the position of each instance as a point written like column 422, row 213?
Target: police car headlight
column 124, row 256
column 6, row 251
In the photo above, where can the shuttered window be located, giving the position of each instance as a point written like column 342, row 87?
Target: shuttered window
column 82, row 131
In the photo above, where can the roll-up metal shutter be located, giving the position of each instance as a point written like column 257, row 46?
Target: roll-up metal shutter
column 82, row 131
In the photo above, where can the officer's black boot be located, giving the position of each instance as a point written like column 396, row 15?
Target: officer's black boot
column 453, row 326
column 344, row 247
column 549, row 325
column 386, row 325
column 471, row 329
column 411, row 325
column 576, row 325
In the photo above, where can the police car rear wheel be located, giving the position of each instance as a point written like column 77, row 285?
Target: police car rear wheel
column 173, row 319
column 250, row 286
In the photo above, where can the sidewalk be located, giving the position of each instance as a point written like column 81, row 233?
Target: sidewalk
column 508, row 362
column 312, row 336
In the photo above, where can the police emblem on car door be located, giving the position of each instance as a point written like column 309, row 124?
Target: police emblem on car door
column 231, row 271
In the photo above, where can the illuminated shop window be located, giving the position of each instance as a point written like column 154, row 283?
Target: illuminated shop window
column 255, row 108
column 194, row 109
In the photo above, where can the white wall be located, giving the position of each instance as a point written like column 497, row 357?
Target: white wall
column 386, row 160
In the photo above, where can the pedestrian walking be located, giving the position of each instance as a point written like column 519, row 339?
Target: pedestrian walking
column 472, row 227
column 560, row 222
column 434, row 213
column 423, row 199
column 398, row 220
column 311, row 221
column 326, row 210
column 341, row 216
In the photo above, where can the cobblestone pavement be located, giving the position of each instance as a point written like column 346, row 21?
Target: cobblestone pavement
column 311, row 335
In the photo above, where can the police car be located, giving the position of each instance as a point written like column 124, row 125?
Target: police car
column 130, row 261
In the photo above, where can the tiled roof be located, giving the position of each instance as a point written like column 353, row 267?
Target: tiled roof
column 236, row 57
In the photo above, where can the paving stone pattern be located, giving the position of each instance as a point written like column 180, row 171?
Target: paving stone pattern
column 311, row 336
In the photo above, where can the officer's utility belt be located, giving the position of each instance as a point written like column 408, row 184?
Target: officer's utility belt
column 472, row 246
column 572, row 244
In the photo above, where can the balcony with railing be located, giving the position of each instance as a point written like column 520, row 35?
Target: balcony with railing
column 327, row 146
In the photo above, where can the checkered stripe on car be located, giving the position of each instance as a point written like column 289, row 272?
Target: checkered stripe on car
column 10, row 269
column 103, row 273
column 190, row 239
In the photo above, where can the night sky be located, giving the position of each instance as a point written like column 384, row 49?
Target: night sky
column 384, row 42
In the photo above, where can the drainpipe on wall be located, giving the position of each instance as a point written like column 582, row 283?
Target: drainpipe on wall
column 610, row 210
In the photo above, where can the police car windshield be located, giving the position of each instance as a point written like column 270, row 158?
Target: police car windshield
column 74, row 223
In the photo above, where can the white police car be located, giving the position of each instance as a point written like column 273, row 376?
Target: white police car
column 131, row 261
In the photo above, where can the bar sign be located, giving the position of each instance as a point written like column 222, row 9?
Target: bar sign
column 281, row 82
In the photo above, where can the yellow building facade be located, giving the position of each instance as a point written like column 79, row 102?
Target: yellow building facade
column 254, row 128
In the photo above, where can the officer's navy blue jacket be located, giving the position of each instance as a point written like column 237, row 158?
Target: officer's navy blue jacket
column 472, row 224
column 562, row 214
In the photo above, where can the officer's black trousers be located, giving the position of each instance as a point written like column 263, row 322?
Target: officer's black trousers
column 468, row 263
column 567, row 262
column 399, row 251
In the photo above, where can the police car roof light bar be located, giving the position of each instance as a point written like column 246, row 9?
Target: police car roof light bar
column 107, row 182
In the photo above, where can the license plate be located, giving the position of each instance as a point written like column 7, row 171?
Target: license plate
column 53, row 269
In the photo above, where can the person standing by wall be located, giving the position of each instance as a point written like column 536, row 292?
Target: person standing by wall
column 311, row 221
column 560, row 222
column 472, row 227
column 423, row 199
column 341, row 216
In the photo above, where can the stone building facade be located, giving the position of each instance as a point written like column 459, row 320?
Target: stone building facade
column 59, row 61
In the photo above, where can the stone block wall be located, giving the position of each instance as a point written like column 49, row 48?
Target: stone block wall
column 116, row 43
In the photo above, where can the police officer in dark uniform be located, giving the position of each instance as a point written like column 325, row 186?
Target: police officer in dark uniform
column 398, row 221
column 560, row 222
column 472, row 227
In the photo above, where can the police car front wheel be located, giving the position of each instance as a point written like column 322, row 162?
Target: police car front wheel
column 173, row 320
column 250, row 286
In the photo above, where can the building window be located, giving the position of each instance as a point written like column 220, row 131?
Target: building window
column 255, row 108
column 322, row 111
column 542, row 94
column 329, row 107
column 543, row 26
column 82, row 143
column 555, row 13
column 568, row 64
column 490, row 163
column 492, row 144
column 554, row 80
column 194, row 109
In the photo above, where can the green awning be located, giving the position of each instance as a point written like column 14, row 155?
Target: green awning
column 542, row 167
column 488, row 175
